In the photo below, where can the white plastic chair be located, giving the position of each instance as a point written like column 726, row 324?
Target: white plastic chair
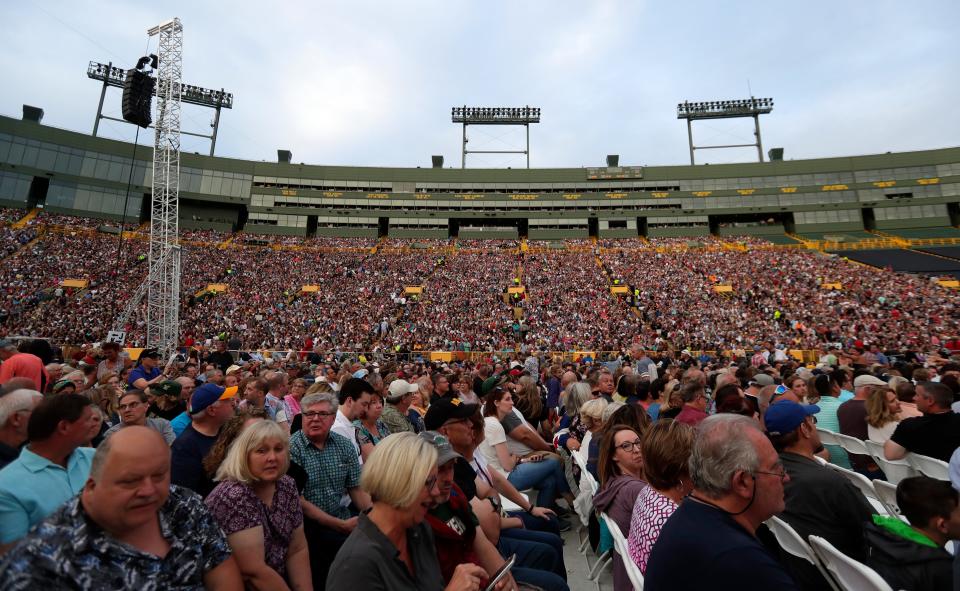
column 863, row 484
column 894, row 470
column 852, row 444
column 620, row 547
column 791, row 543
column 931, row 467
column 887, row 494
column 827, row 437
column 850, row 574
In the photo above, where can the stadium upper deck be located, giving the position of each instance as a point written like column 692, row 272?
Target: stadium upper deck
column 76, row 173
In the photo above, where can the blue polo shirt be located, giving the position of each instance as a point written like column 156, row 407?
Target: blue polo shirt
column 32, row 487
column 141, row 372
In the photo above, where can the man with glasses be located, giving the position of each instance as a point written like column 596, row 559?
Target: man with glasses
column 333, row 468
column 133, row 411
column 819, row 501
column 710, row 540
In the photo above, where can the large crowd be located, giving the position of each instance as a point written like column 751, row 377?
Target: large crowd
column 327, row 470
column 355, row 296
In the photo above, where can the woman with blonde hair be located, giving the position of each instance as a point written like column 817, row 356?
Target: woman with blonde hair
column 591, row 413
column 392, row 547
column 883, row 414
column 577, row 394
column 258, row 507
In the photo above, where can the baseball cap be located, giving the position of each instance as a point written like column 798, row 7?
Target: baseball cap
column 490, row 384
column 360, row 373
column 446, row 408
column 152, row 353
column 400, row 388
column 167, row 388
column 786, row 415
column 445, row 451
column 207, row 394
column 868, row 380
column 761, row 379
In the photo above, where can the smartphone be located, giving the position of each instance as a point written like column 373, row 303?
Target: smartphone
column 501, row 572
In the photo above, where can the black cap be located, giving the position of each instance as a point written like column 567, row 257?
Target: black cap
column 446, row 408
column 152, row 353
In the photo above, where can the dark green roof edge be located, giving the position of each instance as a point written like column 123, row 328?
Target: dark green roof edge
column 74, row 139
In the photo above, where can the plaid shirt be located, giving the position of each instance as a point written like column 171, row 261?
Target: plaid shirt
column 332, row 471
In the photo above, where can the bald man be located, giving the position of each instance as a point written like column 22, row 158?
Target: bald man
column 151, row 535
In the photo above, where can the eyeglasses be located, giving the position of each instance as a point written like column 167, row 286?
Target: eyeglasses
column 629, row 446
column 781, row 474
column 312, row 414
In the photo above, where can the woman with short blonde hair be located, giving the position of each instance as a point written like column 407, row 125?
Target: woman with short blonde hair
column 401, row 478
column 258, row 507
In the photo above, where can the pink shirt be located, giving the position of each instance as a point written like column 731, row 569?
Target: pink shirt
column 650, row 512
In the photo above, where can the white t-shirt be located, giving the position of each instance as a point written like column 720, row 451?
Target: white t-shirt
column 493, row 435
column 883, row 434
column 343, row 426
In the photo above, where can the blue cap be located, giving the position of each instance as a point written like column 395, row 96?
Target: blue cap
column 207, row 394
column 785, row 416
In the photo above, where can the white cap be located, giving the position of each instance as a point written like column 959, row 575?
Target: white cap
column 400, row 388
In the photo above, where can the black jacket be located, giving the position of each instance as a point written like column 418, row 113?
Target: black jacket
column 905, row 564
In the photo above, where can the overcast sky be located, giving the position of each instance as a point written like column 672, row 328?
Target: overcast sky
column 372, row 83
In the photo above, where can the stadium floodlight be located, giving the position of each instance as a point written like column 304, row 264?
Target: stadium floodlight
column 494, row 116
column 728, row 109
column 190, row 94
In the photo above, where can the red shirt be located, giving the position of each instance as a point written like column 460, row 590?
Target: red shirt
column 25, row 365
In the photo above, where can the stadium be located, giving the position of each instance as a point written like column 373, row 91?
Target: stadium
column 251, row 372
column 892, row 211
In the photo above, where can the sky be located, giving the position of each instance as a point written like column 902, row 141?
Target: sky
column 369, row 83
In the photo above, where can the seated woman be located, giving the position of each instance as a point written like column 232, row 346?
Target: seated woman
column 543, row 472
column 257, row 505
column 391, row 547
column 370, row 429
column 621, row 480
column 883, row 414
column 572, row 429
column 665, row 448
column 591, row 414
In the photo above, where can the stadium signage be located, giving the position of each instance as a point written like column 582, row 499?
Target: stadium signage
column 746, row 191
column 834, row 188
column 571, row 196
column 884, row 184
column 288, row 192
column 659, row 194
column 378, row 195
column 616, row 195
column 788, row 189
column 523, row 197
column 332, row 194
column 931, row 181
column 702, row 193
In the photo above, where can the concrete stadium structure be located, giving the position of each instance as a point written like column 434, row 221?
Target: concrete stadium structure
column 857, row 198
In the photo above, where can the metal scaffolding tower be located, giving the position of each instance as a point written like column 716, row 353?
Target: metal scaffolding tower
column 163, row 290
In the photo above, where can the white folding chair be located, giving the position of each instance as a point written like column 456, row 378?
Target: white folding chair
column 931, row 467
column 894, row 470
column 887, row 494
column 851, row 444
column 791, row 543
column 827, row 437
column 863, row 484
column 620, row 547
column 850, row 574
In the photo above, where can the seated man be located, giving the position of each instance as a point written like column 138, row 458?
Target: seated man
column 913, row 556
column 50, row 469
column 935, row 434
column 710, row 540
column 456, row 529
column 133, row 411
column 129, row 528
column 819, row 500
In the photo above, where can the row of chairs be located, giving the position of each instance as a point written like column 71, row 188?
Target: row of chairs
column 840, row 571
column 895, row 470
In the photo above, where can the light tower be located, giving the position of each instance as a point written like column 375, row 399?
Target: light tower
column 163, row 282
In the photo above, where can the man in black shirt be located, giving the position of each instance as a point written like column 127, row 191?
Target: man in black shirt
column 819, row 501
column 935, row 434
column 221, row 357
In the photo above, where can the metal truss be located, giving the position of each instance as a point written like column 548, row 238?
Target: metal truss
column 163, row 290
